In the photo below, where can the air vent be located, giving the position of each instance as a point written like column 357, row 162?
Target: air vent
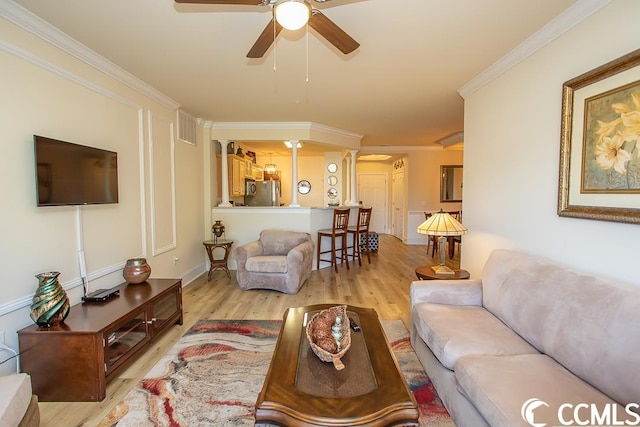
column 186, row 128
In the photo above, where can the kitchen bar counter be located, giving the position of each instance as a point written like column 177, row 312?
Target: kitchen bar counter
column 243, row 224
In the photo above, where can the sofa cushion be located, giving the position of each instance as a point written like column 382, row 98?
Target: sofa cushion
column 499, row 386
column 453, row 331
column 587, row 321
column 280, row 242
column 15, row 396
column 267, row 264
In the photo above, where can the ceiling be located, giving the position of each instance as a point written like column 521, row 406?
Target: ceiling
column 399, row 88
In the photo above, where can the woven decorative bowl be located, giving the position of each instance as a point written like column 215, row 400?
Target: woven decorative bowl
column 345, row 341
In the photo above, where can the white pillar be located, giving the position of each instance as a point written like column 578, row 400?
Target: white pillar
column 294, row 174
column 224, row 173
column 347, row 181
column 353, row 199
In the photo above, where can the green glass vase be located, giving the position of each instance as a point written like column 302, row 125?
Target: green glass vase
column 50, row 304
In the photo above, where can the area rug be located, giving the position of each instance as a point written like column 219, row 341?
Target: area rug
column 213, row 375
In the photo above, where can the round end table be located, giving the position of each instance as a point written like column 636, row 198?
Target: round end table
column 425, row 272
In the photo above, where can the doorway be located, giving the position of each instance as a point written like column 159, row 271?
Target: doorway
column 397, row 225
column 373, row 192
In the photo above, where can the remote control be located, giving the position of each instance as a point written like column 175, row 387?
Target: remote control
column 354, row 325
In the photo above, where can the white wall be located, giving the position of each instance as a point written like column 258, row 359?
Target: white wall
column 160, row 213
column 511, row 158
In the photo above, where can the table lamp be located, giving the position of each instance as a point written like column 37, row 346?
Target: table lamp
column 442, row 225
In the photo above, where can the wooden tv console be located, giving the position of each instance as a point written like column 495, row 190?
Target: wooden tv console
column 74, row 361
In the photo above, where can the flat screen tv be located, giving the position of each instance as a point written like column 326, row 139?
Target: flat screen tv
column 72, row 174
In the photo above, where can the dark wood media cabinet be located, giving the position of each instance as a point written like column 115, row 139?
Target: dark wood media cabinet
column 74, row 361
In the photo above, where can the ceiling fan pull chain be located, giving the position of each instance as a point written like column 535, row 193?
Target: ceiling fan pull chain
column 307, row 54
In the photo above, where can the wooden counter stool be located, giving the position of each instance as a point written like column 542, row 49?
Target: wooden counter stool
column 361, row 229
column 338, row 230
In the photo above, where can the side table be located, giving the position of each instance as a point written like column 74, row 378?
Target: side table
column 221, row 263
column 426, row 273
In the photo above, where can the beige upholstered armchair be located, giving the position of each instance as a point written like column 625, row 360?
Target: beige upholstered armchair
column 279, row 260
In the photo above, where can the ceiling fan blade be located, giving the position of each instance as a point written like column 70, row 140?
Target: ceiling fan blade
column 334, row 34
column 240, row 2
column 265, row 40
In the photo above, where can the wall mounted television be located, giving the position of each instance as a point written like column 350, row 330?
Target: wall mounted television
column 73, row 174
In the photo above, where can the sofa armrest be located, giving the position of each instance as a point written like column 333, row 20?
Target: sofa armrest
column 242, row 253
column 453, row 292
column 301, row 251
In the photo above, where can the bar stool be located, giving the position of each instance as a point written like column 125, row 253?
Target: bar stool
column 337, row 230
column 361, row 229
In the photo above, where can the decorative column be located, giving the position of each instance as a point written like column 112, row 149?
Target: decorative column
column 353, row 199
column 224, row 172
column 294, row 174
column 347, row 182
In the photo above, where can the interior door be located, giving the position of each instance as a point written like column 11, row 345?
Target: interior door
column 372, row 191
column 397, row 226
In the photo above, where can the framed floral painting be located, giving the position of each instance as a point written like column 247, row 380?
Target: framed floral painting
column 600, row 143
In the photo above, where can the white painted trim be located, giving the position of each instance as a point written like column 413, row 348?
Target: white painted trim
column 55, row 69
column 383, row 149
column 284, row 126
column 143, row 187
column 414, row 219
column 562, row 23
column 25, row 302
column 173, row 245
column 240, row 210
column 23, row 18
column 35, row 60
column 448, row 141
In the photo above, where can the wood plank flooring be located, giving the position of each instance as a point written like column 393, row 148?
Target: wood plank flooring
column 383, row 285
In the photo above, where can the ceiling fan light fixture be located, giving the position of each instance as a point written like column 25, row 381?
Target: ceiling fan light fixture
column 292, row 14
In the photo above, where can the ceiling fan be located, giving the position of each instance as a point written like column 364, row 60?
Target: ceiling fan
column 316, row 20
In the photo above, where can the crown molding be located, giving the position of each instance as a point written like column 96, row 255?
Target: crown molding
column 308, row 126
column 384, row 149
column 453, row 139
column 26, row 20
column 316, row 132
column 204, row 123
column 562, row 23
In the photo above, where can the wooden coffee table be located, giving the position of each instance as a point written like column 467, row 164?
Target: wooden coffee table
column 301, row 390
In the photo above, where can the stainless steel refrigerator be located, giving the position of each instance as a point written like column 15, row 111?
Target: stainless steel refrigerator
column 267, row 194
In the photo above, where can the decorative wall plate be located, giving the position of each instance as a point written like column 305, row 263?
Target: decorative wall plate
column 332, row 167
column 332, row 180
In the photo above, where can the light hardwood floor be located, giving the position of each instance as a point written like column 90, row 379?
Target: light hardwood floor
column 383, row 285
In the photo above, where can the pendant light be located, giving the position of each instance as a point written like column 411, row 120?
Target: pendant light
column 270, row 168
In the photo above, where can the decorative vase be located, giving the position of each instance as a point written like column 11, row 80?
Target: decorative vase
column 217, row 229
column 136, row 270
column 50, row 304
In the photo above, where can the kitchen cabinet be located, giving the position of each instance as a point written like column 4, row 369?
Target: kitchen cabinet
column 257, row 173
column 237, row 174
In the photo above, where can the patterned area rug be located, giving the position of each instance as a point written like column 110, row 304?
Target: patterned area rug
column 212, row 377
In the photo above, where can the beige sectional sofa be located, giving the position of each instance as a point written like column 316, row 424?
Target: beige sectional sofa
column 18, row 404
column 531, row 342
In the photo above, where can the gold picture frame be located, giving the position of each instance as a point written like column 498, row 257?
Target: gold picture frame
column 600, row 139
